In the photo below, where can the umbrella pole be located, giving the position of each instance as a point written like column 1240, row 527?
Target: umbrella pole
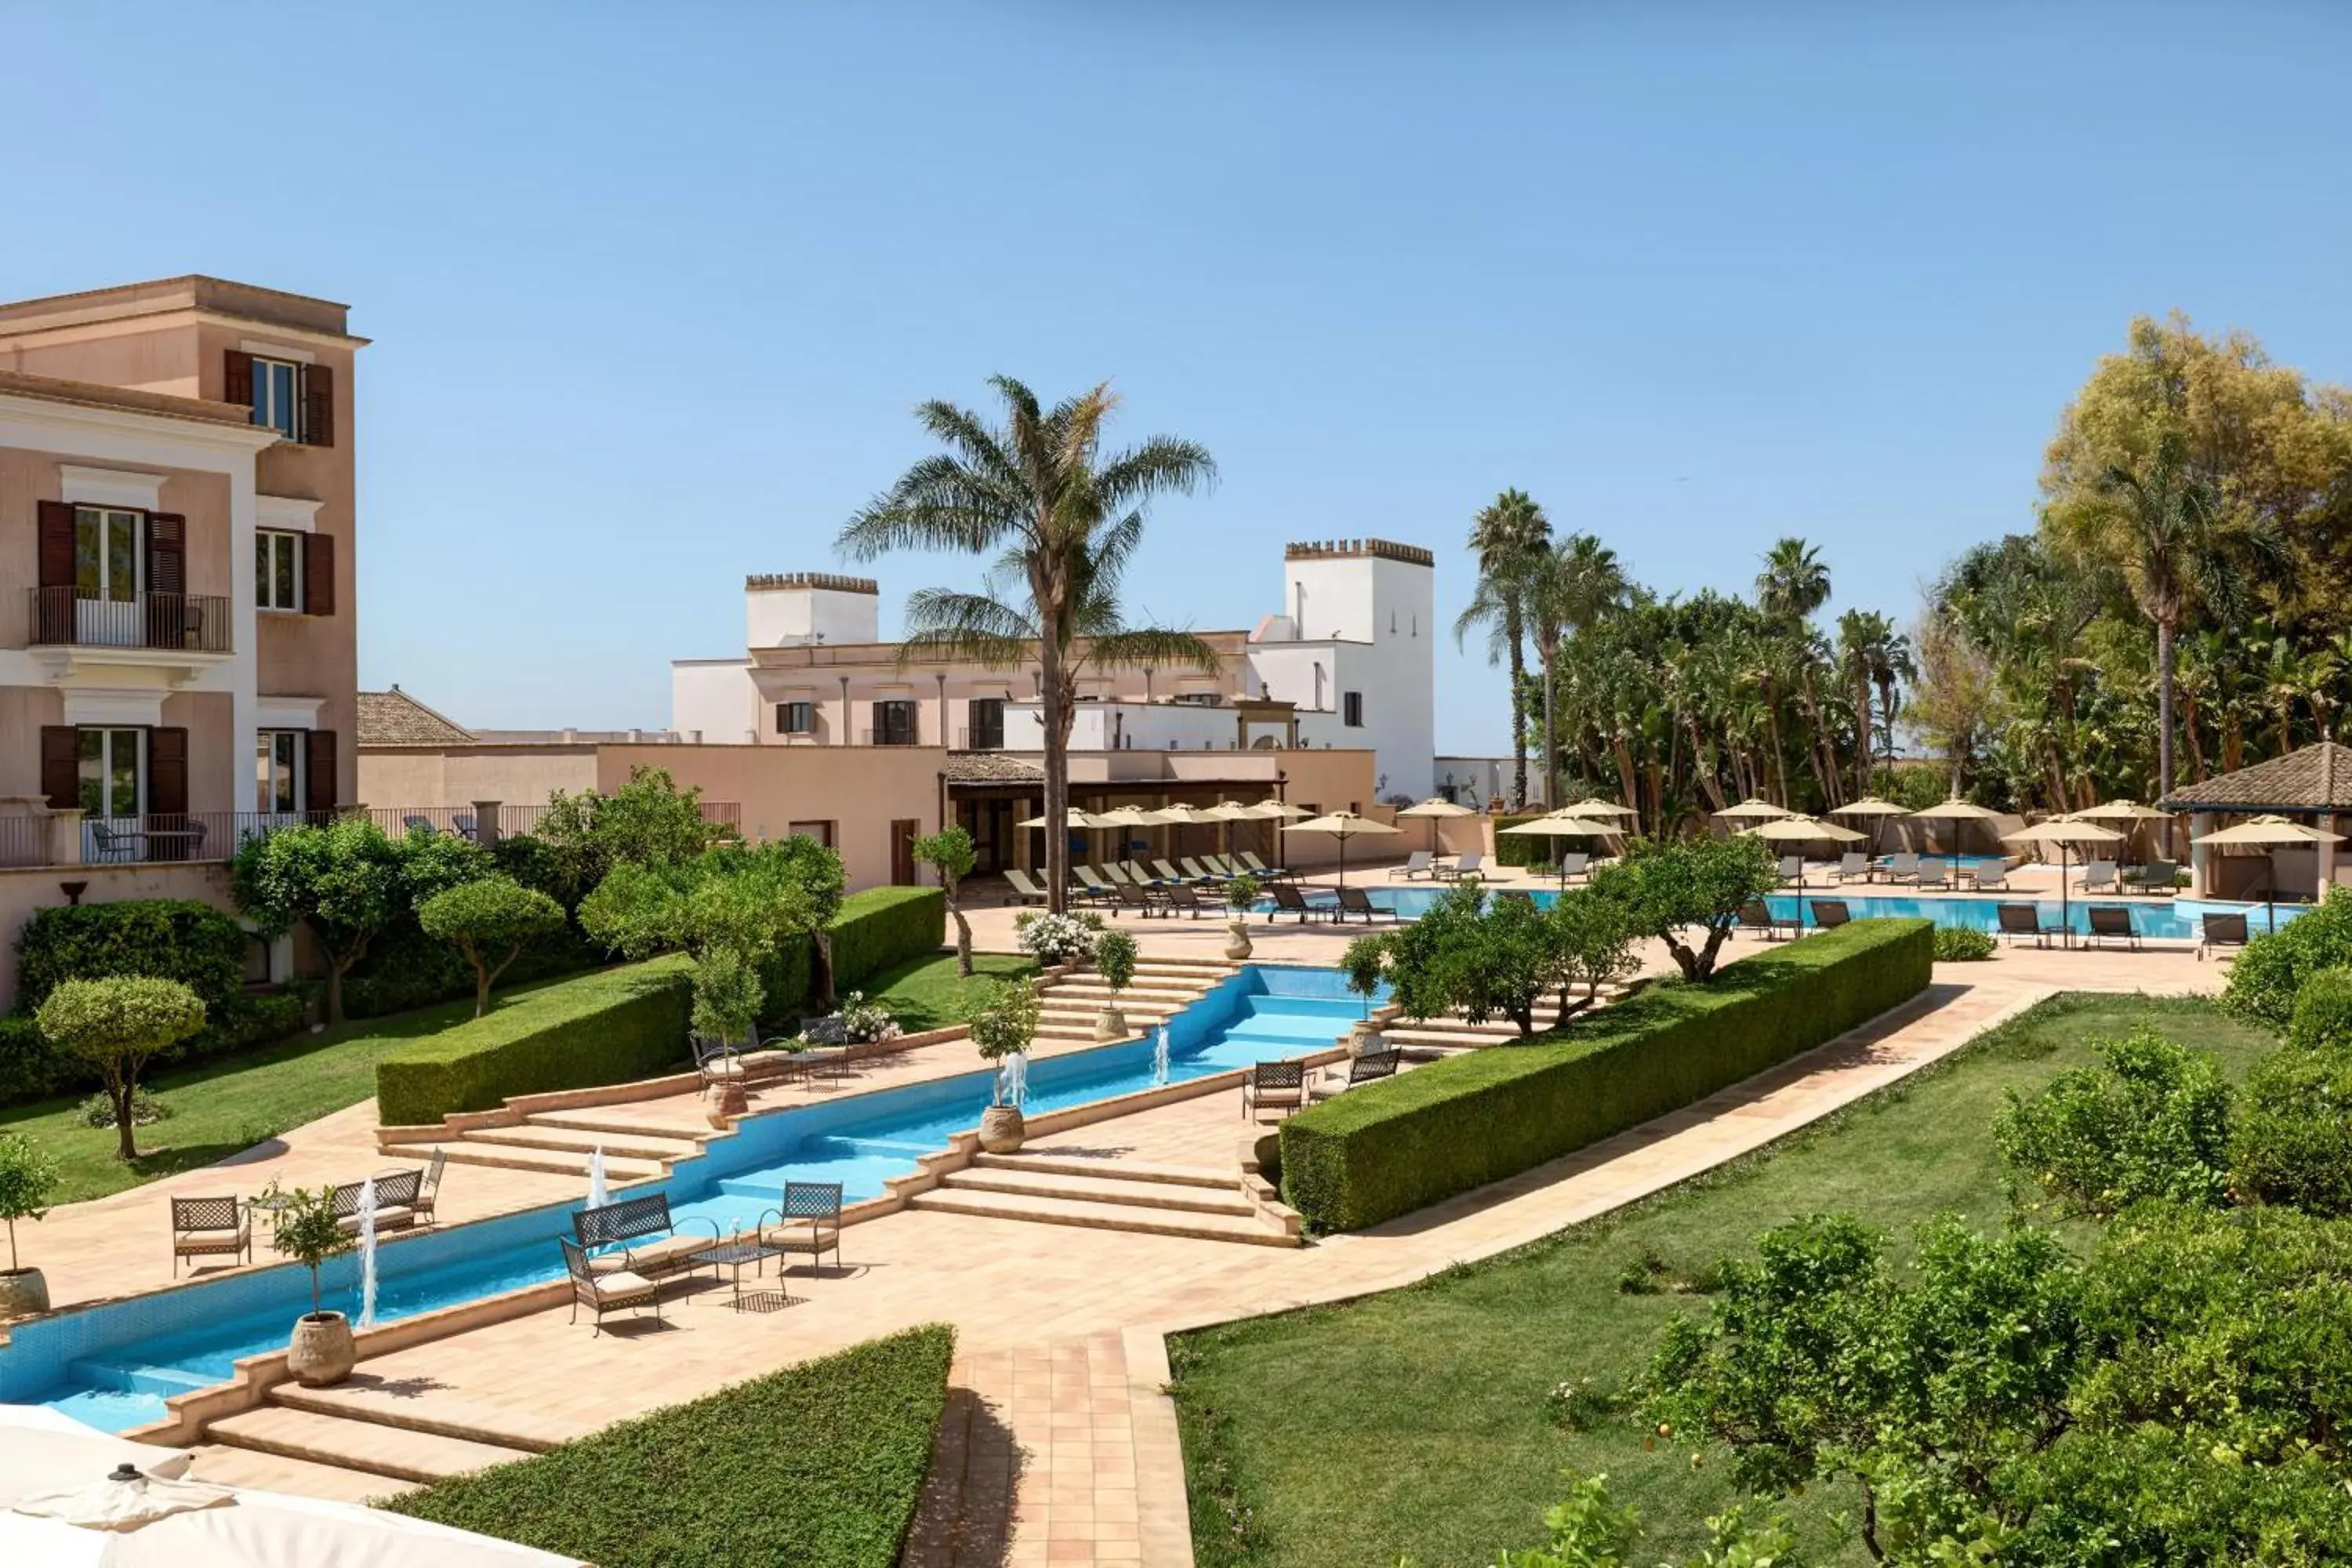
column 2270, row 889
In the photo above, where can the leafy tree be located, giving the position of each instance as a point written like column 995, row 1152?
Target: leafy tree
column 1567, row 589
column 27, row 1177
column 1464, row 955
column 2292, row 1141
column 1004, row 1024
column 949, row 853
column 1115, row 953
column 1594, row 937
column 490, row 920
column 1667, row 889
column 727, row 994
column 2153, row 1122
column 347, row 881
column 1506, row 535
column 305, row 1228
column 2276, row 967
column 115, row 1025
column 1588, row 1531
column 649, row 821
column 1063, row 523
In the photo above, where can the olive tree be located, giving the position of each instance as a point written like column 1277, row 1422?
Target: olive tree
column 490, row 922
column 1689, row 894
column 949, row 853
column 115, row 1025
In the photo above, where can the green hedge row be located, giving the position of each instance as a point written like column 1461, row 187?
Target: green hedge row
column 605, row 1027
column 1390, row 1148
column 818, row 1466
column 874, row 930
column 33, row 1068
column 1524, row 850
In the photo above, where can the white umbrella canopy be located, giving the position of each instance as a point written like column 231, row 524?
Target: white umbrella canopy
column 262, row 1530
column 1564, row 824
column 1801, row 830
column 1957, row 810
column 2120, row 811
column 42, row 1451
column 1753, row 807
column 1341, row 826
column 1177, row 816
column 1433, row 808
column 1593, row 805
column 1870, row 805
column 2269, row 833
column 1077, row 819
column 1271, row 807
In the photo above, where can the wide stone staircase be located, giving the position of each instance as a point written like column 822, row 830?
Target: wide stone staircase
column 638, row 1144
column 369, row 1434
column 1162, row 988
column 1108, row 1194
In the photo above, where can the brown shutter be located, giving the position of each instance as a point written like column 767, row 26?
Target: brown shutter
column 167, row 772
column 57, row 535
column 318, row 405
column 318, row 770
column 61, row 766
column 236, row 381
column 318, row 574
column 167, row 580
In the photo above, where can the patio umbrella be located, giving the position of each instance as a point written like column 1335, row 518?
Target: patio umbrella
column 2122, row 812
column 1800, row 830
column 1562, row 825
column 1077, row 818
column 43, row 1450
column 2065, row 832
column 1433, row 808
column 1124, row 816
column 1341, row 826
column 1761, row 810
column 1593, row 805
column 1271, row 807
column 1956, row 810
column 2267, row 833
column 1877, row 810
column 1231, row 811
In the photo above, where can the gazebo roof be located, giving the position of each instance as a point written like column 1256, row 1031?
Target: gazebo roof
column 2318, row 777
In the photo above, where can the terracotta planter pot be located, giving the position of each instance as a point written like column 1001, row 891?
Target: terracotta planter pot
column 23, row 1292
column 323, row 1351
column 1110, row 1024
column 723, row 1102
column 1238, row 937
column 1366, row 1041
column 1002, row 1130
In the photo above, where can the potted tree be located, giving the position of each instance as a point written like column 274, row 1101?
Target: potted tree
column 27, row 1177
column 305, row 1230
column 1115, row 961
column 1364, row 966
column 1002, row 1029
column 1241, row 897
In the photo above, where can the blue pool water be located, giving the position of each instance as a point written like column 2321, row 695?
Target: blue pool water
column 113, row 1365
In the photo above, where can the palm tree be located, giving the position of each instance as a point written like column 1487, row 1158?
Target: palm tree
column 1567, row 588
column 1794, row 582
column 1063, row 523
column 1876, row 657
column 1505, row 537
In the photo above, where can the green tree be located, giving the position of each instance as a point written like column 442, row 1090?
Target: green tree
column 1794, row 581
column 347, row 881
column 1667, row 889
column 490, row 920
column 1063, row 523
column 115, row 1025
column 27, row 1177
column 2151, row 1122
column 1508, row 535
column 1568, row 589
column 305, row 1228
column 949, row 853
column 1594, row 938
column 649, row 821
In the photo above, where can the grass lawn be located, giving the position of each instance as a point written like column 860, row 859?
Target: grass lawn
column 1415, row 1424
column 924, row 993
column 223, row 1106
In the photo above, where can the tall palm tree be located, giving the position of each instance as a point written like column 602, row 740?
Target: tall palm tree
column 1794, row 582
column 1506, row 536
column 1063, row 522
column 1877, row 658
column 1567, row 589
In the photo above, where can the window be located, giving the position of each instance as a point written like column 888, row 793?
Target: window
column 795, row 718
column 820, row 831
column 109, row 773
column 278, row 770
column 106, row 554
column 894, row 723
column 1352, row 709
column 984, row 721
column 277, row 396
column 276, row 570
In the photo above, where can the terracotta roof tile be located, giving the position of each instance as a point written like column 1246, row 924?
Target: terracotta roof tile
column 2318, row 777
column 393, row 718
column 993, row 768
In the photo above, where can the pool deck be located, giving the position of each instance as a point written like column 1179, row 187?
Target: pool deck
column 1059, row 1446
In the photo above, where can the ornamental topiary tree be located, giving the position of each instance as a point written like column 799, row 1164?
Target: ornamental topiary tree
column 115, row 1025
column 305, row 1228
column 490, row 922
column 1689, row 894
column 27, row 1177
column 346, row 881
column 949, row 853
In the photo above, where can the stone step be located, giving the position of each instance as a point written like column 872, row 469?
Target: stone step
column 221, row 1465
column 549, row 1163
column 363, row 1400
column 1104, row 1216
column 1173, row 1175
column 1158, row 995
column 570, row 1141
column 1099, row 1189
column 399, row 1452
column 1140, row 981
column 591, row 1119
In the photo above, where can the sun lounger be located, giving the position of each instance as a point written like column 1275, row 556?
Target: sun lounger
column 1146, row 902
column 1196, row 871
column 1575, row 863
column 211, row 1227
column 1171, row 876
column 1933, row 874
column 2221, row 931
column 2112, row 923
column 1989, row 876
column 1366, row 1068
column 1139, row 874
column 2159, row 877
column 1025, row 891
column 1757, row 916
column 1852, row 865
column 1188, row 899
column 415, row 823
column 1830, row 913
column 1289, row 900
column 1792, row 868
column 1258, row 868
column 1116, row 874
column 2020, row 921
column 1469, row 863
column 2099, row 877
column 1417, row 864
column 1903, row 867
column 1279, row 1087
column 466, row 829
column 1224, row 866
column 809, row 1221
column 1354, row 901
column 1091, row 886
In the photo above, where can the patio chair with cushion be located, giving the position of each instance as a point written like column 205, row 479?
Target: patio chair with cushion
column 2112, row 923
column 603, row 1290
column 1830, row 913
column 1903, row 867
column 1091, row 886
column 395, row 1202
column 2020, row 921
column 1989, row 876
column 1279, row 1087
column 1136, row 874
column 2220, row 932
column 1025, row 891
column 1197, row 872
column 1469, row 863
column 1171, row 877
column 1289, row 900
column 1934, row 874
column 1574, row 864
column 1792, row 866
column 1757, row 916
column 1114, row 873
column 2161, row 877
column 428, row 1191
column 416, row 823
column 1354, row 901
column 1258, row 868
column 1222, row 866
column 211, row 1227
column 1853, row 864
column 2099, row 877
column 1144, row 902
column 640, row 1236
column 1365, row 1068
column 809, row 1221
column 1188, row 899
column 1416, row 865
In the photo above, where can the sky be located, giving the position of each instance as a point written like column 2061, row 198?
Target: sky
column 654, row 289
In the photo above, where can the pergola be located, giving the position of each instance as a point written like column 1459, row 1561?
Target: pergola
column 2311, row 784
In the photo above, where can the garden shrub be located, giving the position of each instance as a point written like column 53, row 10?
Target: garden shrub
column 1389, row 1148
column 818, row 1466
column 2323, row 1012
column 2270, row 973
column 1520, row 849
column 2152, row 1122
column 2294, row 1138
column 201, row 947
column 1960, row 945
column 606, row 1027
column 882, row 928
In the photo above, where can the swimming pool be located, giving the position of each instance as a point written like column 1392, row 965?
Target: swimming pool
column 113, row 1365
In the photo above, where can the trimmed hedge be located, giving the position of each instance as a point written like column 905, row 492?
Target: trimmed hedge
column 875, row 932
column 818, row 1466
column 164, row 938
column 606, row 1027
column 1390, row 1148
column 1527, row 849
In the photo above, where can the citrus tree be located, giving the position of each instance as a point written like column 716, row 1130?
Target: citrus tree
column 490, row 920
column 116, row 1025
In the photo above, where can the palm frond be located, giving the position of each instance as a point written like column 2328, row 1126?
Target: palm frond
column 1159, row 466
column 981, row 627
column 1160, row 648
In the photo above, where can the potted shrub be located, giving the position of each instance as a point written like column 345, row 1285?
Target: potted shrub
column 1056, row 939
column 27, row 1177
column 305, row 1230
column 1365, row 965
column 1002, row 1029
column 1241, row 897
column 1115, row 961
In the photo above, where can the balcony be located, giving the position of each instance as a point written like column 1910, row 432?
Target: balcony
column 190, row 630
column 892, row 735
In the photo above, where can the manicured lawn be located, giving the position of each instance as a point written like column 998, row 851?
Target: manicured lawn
column 925, row 994
column 223, row 1106
column 1416, row 1424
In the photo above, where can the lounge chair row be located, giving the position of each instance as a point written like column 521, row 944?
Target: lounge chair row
column 1423, row 864
column 1282, row 1087
column 1101, row 884
column 223, row 1226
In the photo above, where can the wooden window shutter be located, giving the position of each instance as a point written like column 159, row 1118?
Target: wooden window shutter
column 168, row 623
column 56, row 535
column 318, row 574
column 236, row 380
column 61, row 766
column 167, row 772
column 318, row 770
column 318, row 405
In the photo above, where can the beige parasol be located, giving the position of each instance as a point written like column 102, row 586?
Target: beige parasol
column 1753, row 807
column 1593, row 805
column 2269, row 833
column 1077, row 819
column 2066, row 833
column 1877, row 810
column 1341, row 826
column 1800, row 830
column 1955, row 810
column 1433, row 808
column 1270, row 807
column 1562, row 825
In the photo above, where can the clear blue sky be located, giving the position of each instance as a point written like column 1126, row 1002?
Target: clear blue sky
column 653, row 287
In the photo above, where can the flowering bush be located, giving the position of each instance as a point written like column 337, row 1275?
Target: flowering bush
column 1058, row 939
column 863, row 1022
